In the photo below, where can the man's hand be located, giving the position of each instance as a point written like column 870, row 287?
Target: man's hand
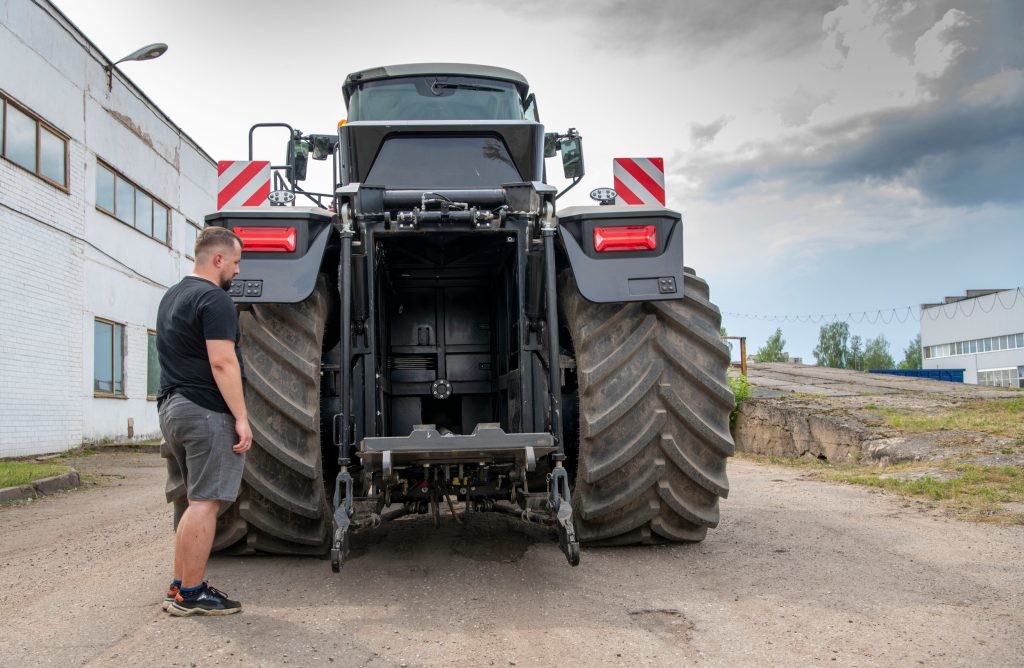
column 244, row 436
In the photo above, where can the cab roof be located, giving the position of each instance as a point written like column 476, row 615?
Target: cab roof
column 435, row 69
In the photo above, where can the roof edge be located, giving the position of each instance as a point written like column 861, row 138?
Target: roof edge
column 426, row 69
column 105, row 61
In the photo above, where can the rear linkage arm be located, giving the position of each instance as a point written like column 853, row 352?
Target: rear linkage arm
column 343, row 222
column 559, row 496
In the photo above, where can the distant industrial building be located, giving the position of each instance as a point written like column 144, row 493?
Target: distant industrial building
column 101, row 196
column 981, row 332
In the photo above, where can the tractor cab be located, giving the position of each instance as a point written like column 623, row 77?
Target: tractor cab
column 435, row 92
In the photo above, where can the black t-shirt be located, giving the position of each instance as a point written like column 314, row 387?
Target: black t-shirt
column 191, row 313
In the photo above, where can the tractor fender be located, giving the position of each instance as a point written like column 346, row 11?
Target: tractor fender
column 286, row 277
column 649, row 274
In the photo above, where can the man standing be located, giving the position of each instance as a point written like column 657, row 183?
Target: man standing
column 202, row 411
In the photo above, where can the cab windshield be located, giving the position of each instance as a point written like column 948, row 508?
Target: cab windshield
column 440, row 98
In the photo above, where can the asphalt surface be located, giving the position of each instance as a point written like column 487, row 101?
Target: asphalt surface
column 799, row 573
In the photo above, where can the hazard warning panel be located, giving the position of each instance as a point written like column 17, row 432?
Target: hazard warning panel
column 639, row 180
column 243, row 183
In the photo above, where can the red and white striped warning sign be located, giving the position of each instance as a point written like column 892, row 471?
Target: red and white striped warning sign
column 639, row 180
column 243, row 183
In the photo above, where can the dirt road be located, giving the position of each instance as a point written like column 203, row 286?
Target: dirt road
column 799, row 573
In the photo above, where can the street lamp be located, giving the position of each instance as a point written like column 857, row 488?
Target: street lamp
column 148, row 52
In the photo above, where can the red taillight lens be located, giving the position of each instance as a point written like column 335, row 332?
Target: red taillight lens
column 267, row 239
column 627, row 238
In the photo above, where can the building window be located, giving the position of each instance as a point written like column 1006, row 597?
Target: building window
column 1009, row 377
column 191, row 232
column 31, row 143
column 122, row 199
column 990, row 344
column 152, row 367
column 108, row 358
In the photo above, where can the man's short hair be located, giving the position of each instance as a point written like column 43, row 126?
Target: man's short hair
column 215, row 239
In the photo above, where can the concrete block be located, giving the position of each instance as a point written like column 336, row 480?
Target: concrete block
column 19, row 493
column 57, row 483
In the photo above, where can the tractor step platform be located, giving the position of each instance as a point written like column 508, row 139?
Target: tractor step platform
column 427, row 445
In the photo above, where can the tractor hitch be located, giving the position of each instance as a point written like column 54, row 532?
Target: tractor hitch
column 342, row 520
column 560, row 503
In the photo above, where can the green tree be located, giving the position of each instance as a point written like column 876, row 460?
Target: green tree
column 912, row 354
column 773, row 349
column 724, row 333
column 855, row 358
column 832, row 348
column 876, row 354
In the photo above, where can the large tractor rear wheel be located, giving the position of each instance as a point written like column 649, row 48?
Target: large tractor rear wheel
column 654, row 410
column 282, row 507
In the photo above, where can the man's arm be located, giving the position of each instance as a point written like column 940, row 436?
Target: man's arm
column 228, row 376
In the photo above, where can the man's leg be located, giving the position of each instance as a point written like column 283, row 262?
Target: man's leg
column 173, row 449
column 193, row 541
column 177, row 551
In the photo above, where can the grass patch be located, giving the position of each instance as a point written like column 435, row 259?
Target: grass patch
column 798, row 396
column 976, row 492
column 988, row 484
column 13, row 473
column 999, row 417
column 972, row 491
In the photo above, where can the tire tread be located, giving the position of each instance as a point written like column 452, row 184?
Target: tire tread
column 654, row 416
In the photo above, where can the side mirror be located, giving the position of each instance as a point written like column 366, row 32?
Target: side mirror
column 298, row 159
column 550, row 144
column 572, row 157
column 323, row 146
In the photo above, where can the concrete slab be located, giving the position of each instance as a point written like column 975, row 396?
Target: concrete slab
column 803, row 378
column 57, row 483
column 839, row 414
column 19, row 493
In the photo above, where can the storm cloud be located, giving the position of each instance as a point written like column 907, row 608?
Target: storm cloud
column 955, row 135
column 769, row 28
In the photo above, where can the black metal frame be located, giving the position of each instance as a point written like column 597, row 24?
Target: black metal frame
column 365, row 214
column 285, row 181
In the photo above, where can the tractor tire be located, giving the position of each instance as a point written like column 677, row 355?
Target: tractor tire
column 654, row 409
column 282, row 506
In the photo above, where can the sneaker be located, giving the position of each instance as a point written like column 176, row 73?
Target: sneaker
column 209, row 601
column 172, row 591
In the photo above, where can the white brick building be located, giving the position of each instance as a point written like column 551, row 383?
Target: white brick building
column 100, row 199
column 981, row 332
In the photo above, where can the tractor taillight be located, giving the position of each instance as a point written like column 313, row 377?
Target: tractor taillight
column 627, row 238
column 267, row 239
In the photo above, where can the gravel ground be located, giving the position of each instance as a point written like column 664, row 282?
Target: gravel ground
column 799, row 573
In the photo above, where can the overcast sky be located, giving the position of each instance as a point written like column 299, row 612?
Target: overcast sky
column 829, row 156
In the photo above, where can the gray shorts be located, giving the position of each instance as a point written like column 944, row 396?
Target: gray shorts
column 200, row 441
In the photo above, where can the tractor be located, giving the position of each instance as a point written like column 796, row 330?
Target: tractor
column 435, row 334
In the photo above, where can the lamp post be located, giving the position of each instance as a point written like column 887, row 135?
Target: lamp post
column 148, row 52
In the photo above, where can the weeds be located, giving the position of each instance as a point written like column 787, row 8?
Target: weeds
column 741, row 391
